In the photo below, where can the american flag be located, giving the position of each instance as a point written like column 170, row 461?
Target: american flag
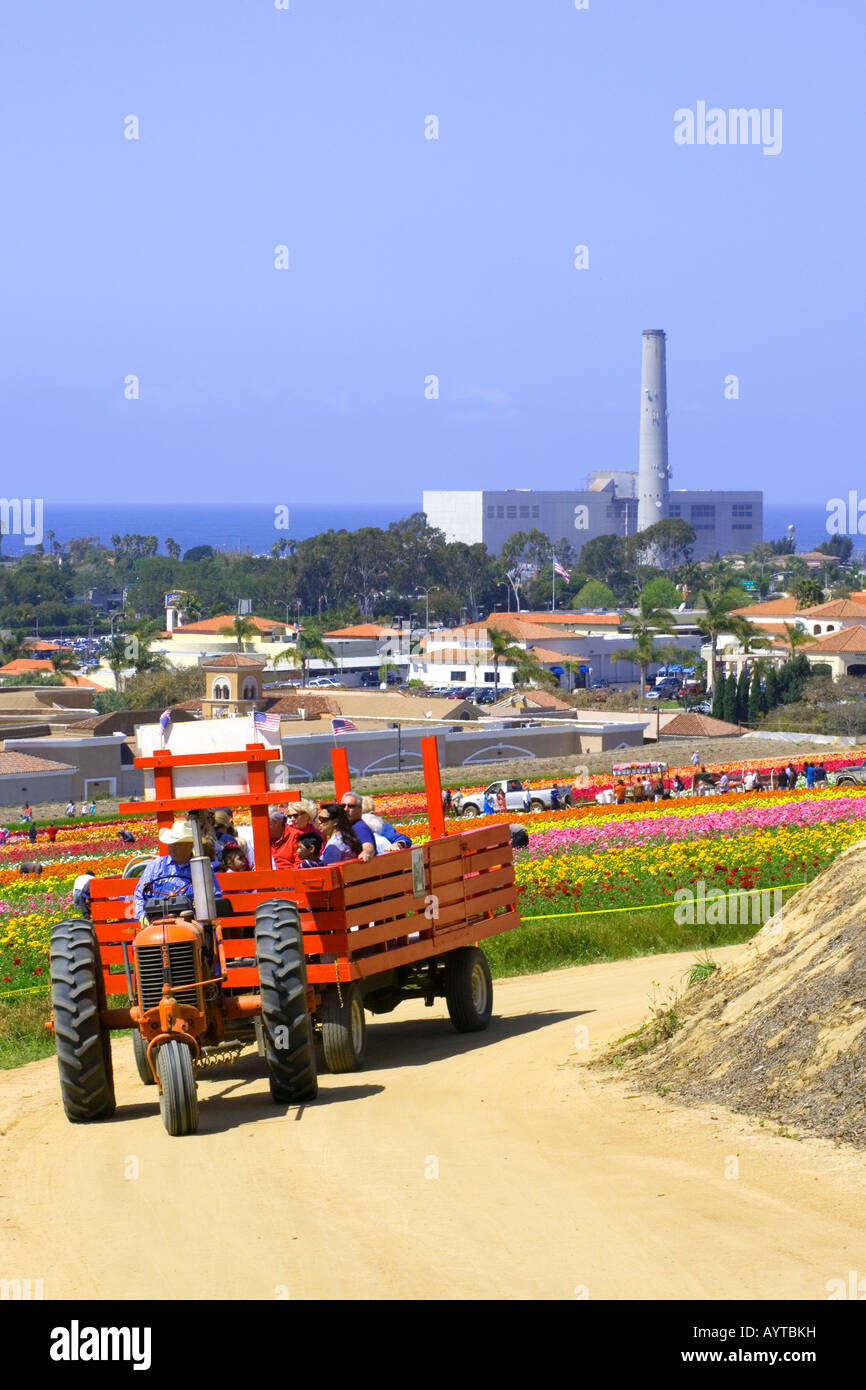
column 271, row 722
column 559, row 570
column 343, row 726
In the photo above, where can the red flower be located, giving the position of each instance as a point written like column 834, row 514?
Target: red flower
column 7, row 977
column 16, row 960
column 37, row 972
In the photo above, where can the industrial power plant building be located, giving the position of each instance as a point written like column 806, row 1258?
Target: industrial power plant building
column 617, row 503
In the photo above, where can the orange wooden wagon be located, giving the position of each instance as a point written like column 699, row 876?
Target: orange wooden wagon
column 304, row 951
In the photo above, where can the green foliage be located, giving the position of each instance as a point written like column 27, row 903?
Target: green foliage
column 171, row 686
column 718, row 711
column 808, row 593
column 32, row 678
column 661, row 593
column 771, row 690
column 792, row 678
column 742, row 697
column 754, row 711
column 729, row 699
column 595, row 596
column 841, row 546
column 107, row 701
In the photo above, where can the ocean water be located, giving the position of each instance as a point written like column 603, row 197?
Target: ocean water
column 246, row 526
column 809, row 520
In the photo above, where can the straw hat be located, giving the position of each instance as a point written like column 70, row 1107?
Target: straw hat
column 177, row 834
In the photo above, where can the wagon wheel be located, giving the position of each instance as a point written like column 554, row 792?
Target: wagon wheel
column 142, row 1066
column 468, row 989
column 286, row 1025
column 344, row 1028
column 178, row 1101
column 83, row 1045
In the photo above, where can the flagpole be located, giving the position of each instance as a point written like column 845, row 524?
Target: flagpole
column 553, row 586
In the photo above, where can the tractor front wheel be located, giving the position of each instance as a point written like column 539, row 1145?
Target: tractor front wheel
column 344, row 1028
column 83, row 1045
column 286, row 1025
column 178, row 1101
column 142, row 1066
column 468, row 989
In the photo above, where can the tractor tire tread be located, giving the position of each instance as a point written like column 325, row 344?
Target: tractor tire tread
column 283, row 978
column 83, row 1045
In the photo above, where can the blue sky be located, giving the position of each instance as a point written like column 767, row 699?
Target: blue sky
column 411, row 257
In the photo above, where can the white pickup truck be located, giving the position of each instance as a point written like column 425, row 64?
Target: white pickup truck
column 472, row 803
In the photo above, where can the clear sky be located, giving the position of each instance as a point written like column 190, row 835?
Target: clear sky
column 410, row 257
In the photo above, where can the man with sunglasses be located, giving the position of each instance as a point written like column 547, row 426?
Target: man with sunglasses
column 351, row 804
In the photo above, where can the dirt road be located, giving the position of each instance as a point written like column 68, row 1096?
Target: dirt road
column 491, row 1166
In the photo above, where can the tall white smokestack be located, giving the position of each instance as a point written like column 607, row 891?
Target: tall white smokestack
column 653, row 470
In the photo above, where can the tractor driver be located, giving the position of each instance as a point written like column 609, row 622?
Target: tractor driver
column 170, row 875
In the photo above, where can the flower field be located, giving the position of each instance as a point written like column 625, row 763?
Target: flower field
column 588, row 859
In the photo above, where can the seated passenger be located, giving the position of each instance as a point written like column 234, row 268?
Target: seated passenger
column 309, row 848
column 300, row 821
column 376, row 823
column 235, row 860
column 170, row 875
column 351, row 806
column 342, row 842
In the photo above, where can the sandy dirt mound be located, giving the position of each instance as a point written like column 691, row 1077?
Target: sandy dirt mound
column 780, row 1030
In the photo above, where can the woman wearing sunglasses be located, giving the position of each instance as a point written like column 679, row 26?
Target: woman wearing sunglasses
column 341, row 842
column 300, row 820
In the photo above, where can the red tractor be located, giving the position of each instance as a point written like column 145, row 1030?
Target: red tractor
column 299, row 952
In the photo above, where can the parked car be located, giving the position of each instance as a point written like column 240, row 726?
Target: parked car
column 486, row 697
column 472, row 804
column 851, row 776
column 318, row 682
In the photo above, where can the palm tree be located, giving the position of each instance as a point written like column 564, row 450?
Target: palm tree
column 308, row 645
column 117, row 659
column 795, row 637
column 720, row 618
column 529, row 671
column 63, row 661
column 642, row 653
column 503, row 649
column 648, row 621
column 242, row 629
column 172, row 548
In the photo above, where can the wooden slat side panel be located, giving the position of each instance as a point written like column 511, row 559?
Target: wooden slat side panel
column 480, row 907
column 486, row 836
column 373, row 890
column 385, row 931
column 378, row 912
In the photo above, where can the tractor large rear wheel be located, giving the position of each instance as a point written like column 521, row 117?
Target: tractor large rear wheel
column 142, row 1066
column 468, row 989
column 178, row 1100
column 344, row 1028
column 83, row 1044
column 286, row 1024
